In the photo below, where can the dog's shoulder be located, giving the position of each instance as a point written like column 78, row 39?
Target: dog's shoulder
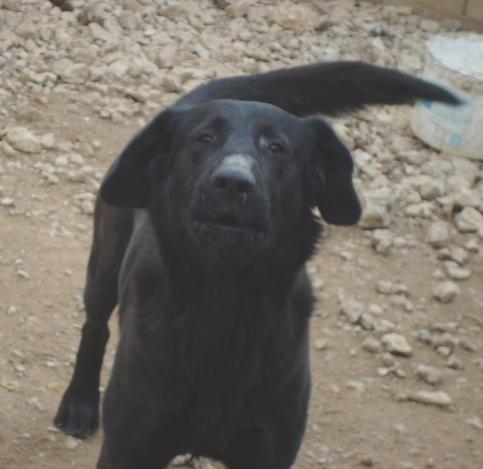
column 142, row 265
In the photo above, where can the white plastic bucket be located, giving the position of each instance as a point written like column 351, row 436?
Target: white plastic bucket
column 454, row 60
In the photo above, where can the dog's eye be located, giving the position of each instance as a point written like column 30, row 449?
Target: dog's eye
column 206, row 139
column 275, row 147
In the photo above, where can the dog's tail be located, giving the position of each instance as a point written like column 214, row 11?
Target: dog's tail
column 326, row 88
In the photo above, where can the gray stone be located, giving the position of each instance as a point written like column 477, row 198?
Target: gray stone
column 438, row 233
column 446, row 291
column 397, row 344
column 456, row 272
column 70, row 72
column 297, row 18
column 437, row 398
column 375, row 216
column 351, row 309
column 384, row 287
column 470, row 220
column 384, row 326
column 23, row 140
column 429, row 374
column 371, row 344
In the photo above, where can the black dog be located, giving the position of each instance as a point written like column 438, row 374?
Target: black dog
column 214, row 298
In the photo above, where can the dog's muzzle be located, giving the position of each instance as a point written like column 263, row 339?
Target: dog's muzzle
column 229, row 214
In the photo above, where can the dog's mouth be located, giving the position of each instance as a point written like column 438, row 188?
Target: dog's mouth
column 228, row 234
column 227, row 225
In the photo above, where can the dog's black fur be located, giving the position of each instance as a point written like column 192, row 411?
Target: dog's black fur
column 209, row 272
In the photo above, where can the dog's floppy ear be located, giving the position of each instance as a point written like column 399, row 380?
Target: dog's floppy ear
column 127, row 183
column 330, row 175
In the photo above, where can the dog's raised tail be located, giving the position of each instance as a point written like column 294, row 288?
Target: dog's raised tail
column 326, row 88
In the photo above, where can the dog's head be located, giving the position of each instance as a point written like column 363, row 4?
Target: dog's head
column 233, row 175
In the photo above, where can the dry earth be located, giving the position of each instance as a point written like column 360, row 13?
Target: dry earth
column 82, row 82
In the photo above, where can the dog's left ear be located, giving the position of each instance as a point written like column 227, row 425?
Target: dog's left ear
column 330, row 174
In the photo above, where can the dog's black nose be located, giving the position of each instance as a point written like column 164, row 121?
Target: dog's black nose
column 233, row 176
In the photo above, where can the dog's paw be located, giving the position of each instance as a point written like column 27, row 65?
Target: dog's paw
column 78, row 416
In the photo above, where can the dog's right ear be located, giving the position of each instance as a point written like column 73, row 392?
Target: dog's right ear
column 127, row 183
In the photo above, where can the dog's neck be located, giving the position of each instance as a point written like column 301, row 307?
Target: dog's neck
column 271, row 273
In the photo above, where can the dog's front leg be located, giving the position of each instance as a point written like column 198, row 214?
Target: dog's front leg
column 78, row 413
column 107, row 461
column 137, row 433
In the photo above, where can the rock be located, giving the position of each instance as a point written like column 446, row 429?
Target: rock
column 382, row 241
column 87, row 207
column 366, row 321
column 458, row 254
column 34, row 401
column 375, row 216
column 455, row 271
column 465, row 197
column 47, row 141
column 375, row 309
column 397, row 344
column 446, row 291
column 351, row 309
column 321, row 344
column 467, row 344
column 421, row 210
column 425, row 337
column 472, row 246
column 439, row 233
column 171, row 84
column 475, row 421
column 371, row 344
column 23, row 140
column 72, row 443
column 445, row 340
column 387, row 359
column 451, row 25
column 26, row 30
column 383, row 326
column 12, row 5
column 402, row 302
column 445, row 351
column 428, row 187
column 358, row 386
column 400, row 288
column 463, row 170
column 366, row 461
column 430, row 26
column 7, row 202
column 222, row 4
column 454, row 363
column 384, row 287
column 70, row 72
column 64, row 5
column 437, row 398
column 470, row 220
column 297, row 18
column 429, row 374
column 7, row 150
column 239, row 8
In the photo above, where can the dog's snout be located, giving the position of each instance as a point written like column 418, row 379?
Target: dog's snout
column 233, row 180
column 233, row 176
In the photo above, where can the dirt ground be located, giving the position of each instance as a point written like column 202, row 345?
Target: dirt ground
column 355, row 417
column 362, row 412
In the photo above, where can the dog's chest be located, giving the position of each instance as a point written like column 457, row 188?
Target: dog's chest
column 221, row 348
column 214, row 343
